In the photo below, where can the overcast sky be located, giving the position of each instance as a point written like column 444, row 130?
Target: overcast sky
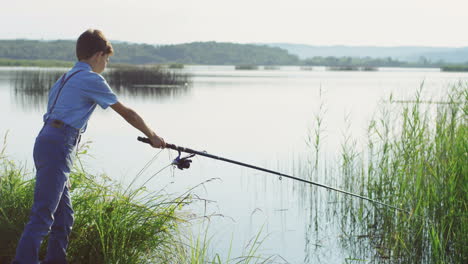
column 315, row 22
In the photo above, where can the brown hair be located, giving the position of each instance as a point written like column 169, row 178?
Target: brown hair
column 90, row 42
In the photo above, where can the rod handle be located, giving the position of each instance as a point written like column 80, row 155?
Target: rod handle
column 146, row 140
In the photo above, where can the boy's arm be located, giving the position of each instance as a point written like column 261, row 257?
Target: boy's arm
column 135, row 120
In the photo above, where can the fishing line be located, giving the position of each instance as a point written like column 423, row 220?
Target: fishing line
column 147, row 165
column 184, row 163
column 154, row 175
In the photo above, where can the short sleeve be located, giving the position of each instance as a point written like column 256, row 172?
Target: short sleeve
column 97, row 90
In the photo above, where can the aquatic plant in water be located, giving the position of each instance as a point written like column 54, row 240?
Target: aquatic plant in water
column 416, row 159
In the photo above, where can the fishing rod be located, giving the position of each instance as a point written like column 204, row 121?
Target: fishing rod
column 184, row 163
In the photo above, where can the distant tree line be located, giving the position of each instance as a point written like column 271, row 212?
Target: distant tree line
column 25, row 52
column 207, row 53
column 369, row 62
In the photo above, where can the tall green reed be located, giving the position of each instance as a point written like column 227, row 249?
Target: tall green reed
column 416, row 159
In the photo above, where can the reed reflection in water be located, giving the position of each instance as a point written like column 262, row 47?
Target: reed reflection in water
column 151, row 92
column 30, row 88
column 149, row 82
column 414, row 158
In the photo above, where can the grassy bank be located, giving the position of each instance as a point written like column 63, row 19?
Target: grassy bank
column 416, row 159
column 35, row 63
column 113, row 224
column 455, row 68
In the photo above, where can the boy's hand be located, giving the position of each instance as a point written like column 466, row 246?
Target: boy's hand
column 157, row 142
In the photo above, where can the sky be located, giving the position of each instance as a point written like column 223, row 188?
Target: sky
column 314, row 22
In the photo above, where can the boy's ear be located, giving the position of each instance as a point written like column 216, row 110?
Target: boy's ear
column 98, row 54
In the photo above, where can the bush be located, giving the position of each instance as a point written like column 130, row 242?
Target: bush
column 112, row 225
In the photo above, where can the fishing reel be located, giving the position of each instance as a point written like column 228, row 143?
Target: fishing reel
column 182, row 163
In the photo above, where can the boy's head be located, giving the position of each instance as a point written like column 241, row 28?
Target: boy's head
column 90, row 42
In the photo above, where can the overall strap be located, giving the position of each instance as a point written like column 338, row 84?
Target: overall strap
column 62, row 84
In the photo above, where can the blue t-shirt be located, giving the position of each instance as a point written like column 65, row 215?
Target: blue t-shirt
column 79, row 96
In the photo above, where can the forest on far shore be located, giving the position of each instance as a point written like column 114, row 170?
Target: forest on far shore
column 23, row 52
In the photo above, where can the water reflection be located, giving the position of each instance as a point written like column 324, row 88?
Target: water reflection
column 30, row 88
column 35, row 80
column 150, row 82
column 334, row 229
column 152, row 92
column 30, row 100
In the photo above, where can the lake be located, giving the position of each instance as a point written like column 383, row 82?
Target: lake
column 261, row 117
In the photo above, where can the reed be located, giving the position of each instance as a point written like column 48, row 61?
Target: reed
column 455, row 68
column 369, row 68
column 352, row 68
column 130, row 77
column 31, row 87
column 416, row 159
column 246, row 67
column 271, row 68
column 343, row 68
column 35, row 81
column 176, row 66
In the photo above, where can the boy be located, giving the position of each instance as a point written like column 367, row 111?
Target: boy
column 72, row 100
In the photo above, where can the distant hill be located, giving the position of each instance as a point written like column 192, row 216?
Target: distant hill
column 408, row 53
column 217, row 53
column 459, row 55
column 214, row 53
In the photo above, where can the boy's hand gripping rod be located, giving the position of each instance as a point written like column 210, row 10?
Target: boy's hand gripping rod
column 184, row 163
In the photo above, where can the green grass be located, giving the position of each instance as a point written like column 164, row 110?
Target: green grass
column 35, row 63
column 416, row 159
column 246, row 67
column 176, row 66
column 455, row 68
column 113, row 224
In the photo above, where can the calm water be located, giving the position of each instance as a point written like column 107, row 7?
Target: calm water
column 259, row 117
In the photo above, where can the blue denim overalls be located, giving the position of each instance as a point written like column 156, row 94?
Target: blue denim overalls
column 52, row 210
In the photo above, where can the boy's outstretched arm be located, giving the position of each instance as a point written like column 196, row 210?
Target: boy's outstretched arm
column 135, row 120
